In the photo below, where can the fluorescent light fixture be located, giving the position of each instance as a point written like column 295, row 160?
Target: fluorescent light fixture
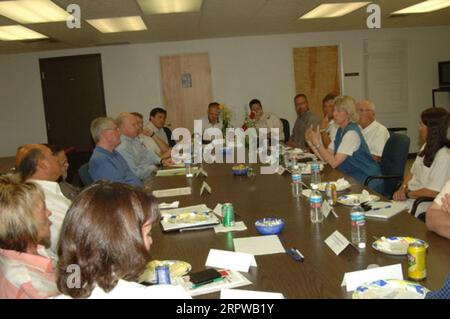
column 18, row 32
column 33, row 11
column 170, row 6
column 423, row 7
column 333, row 10
column 122, row 24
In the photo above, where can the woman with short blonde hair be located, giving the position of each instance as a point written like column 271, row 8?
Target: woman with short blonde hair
column 26, row 270
column 349, row 151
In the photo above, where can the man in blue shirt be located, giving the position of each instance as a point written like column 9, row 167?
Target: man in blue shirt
column 106, row 163
column 142, row 161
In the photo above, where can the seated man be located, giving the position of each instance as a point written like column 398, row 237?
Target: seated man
column 438, row 214
column 305, row 119
column 26, row 270
column 151, row 139
column 141, row 160
column 156, row 123
column 328, row 127
column 106, row 163
column 36, row 163
column 266, row 120
column 211, row 120
column 375, row 134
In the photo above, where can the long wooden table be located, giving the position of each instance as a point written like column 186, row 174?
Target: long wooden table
column 321, row 273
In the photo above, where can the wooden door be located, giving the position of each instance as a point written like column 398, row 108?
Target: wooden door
column 72, row 89
column 186, row 84
column 317, row 73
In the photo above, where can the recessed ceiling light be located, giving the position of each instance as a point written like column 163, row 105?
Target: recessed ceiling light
column 333, row 10
column 33, row 11
column 170, row 6
column 122, row 24
column 18, row 32
column 423, row 7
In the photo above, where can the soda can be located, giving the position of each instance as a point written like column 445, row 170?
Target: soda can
column 228, row 214
column 331, row 193
column 163, row 275
column 417, row 261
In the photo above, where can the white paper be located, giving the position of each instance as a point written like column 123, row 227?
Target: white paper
column 337, row 242
column 326, row 208
column 306, row 193
column 206, row 187
column 385, row 210
column 238, row 226
column 230, row 260
column 201, row 171
column 259, row 245
column 169, row 205
column 174, row 171
column 248, row 294
column 281, row 170
column 353, row 280
column 172, row 192
column 218, row 210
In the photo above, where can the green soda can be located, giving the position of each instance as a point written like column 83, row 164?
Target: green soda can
column 228, row 214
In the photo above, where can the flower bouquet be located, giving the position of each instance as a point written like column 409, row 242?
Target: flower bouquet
column 225, row 117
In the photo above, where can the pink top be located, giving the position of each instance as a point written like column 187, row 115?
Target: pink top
column 26, row 276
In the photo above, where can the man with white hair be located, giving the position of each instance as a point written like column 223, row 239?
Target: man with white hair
column 375, row 134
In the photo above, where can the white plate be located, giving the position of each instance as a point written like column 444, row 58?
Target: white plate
column 323, row 185
column 177, row 269
column 354, row 199
column 395, row 245
column 390, row 289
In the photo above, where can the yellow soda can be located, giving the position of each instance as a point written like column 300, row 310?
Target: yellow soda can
column 417, row 261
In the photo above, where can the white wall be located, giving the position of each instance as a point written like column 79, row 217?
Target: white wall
column 242, row 68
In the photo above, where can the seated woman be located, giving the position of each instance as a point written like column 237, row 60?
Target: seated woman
column 431, row 169
column 438, row 215
column 26, row 270
column 105, row 238
column 349, row 151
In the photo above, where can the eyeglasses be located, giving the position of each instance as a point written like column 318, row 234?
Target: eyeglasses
column 112, row 128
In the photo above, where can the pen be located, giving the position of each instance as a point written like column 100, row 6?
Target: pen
column 207, row 282
column 300, row 254
column 378, row 208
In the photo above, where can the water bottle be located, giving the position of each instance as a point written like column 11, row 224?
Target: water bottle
column 358, row 219
column 315, row 173
column 315, row 200
column 296, row 182
column 188, row 166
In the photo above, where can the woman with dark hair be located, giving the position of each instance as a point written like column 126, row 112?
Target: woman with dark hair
column 431, row 169
column 105, row 239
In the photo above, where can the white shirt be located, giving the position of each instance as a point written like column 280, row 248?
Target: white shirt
column 270, row 120
column 132, row 290
column 440, row 196
column 332, row 130
column 158, row 131
column 376, row 136
column 433, row 177
column 350, row 144
column 57, row 204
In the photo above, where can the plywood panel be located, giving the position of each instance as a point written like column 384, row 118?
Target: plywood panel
column 185, row 104
column 317, row 74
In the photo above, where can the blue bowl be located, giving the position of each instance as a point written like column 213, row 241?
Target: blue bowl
column 240, row 172
column 270, row 226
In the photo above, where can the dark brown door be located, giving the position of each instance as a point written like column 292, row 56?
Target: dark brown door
column 72, row 89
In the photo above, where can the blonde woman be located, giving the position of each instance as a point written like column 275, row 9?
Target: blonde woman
column 349, row 152
column 26, row 270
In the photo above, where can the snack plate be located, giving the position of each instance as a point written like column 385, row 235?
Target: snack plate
column 390, row 289
column 177, row 269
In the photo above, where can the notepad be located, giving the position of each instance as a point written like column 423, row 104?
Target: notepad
column 172, row 192
column 259, row 245
column 385, row 210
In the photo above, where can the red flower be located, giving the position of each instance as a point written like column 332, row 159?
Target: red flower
column 252, row 115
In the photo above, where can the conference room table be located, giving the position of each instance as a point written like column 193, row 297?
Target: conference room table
column 321, row 273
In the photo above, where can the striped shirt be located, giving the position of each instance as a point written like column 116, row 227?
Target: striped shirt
column 26, row 276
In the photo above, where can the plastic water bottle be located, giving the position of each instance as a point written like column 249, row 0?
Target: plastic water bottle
column 358, row 219
column 188, row 166
column 315, row 200
column 315, row 173
column 296, row 182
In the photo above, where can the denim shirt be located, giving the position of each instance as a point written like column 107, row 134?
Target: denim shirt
column 111, row 166
column 141, row 160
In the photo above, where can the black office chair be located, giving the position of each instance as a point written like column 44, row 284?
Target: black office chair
column 83, row 171
column 169, row 136
column 393, row 130
column 417, row 202
column 392, row 165
column 286, row 129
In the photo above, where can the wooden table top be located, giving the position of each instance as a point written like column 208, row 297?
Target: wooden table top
column 321, row 273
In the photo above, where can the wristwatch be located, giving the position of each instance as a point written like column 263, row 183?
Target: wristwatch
column 152, row 134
